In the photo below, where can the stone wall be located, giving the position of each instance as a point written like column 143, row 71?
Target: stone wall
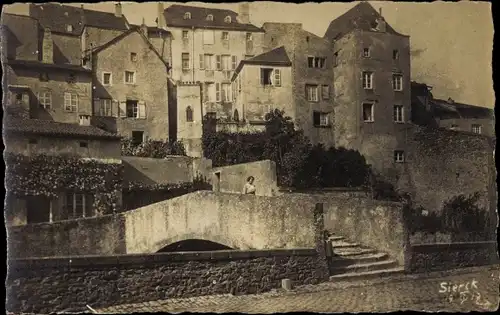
column 49, row 285
column 443, row 164
column 233, row 178
column 171, row 170
column 103, row 235
column 444, row 256
column 377, row 224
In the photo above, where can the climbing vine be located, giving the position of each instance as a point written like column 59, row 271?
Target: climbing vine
column 48, row 176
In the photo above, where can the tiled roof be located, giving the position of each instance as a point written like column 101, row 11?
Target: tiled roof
column 39, row 64
column 57, row 17
column 460, row 106
column 52, row 128
column 361, row 16
column 151, row 29
column 174, row 16
column 21, row 34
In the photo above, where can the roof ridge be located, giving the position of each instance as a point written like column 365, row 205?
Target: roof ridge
column 202, row 8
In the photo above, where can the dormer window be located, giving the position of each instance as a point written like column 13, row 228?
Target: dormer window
column 227, row 19
column 69, row 28
column 187, row 16
column 210, row 17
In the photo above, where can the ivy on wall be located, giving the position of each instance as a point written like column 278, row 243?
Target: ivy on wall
column 152, row 148
column 49, row 176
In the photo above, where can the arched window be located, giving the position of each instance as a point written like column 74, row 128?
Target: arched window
column 210, row 17
column 189, row 114
column 227, row 19
column 187, row 16
column 236, row 116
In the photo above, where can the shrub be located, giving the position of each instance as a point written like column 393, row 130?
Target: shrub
column 462, row 214
column 299, row 164
column 152, row 148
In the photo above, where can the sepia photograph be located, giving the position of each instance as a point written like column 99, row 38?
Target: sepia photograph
column 251, row 157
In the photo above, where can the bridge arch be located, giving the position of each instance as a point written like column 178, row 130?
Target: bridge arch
column 220, row 240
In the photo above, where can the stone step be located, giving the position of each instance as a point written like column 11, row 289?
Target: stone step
column 335, row 238
column 367, row 275
column 339, row 261
column 343, row 244
column 363, row 267
column 353, row 251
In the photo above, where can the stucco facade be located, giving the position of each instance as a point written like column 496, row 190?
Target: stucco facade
column 134, row 90
column 365, row 113
column 190, row 117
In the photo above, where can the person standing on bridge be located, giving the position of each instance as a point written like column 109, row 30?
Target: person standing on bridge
column 249, row 188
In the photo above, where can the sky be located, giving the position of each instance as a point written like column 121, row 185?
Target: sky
column 451, row 42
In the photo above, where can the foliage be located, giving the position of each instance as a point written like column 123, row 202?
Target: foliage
column 299, row 164
column 462, row 214
column 152, row 148
column 43, row 175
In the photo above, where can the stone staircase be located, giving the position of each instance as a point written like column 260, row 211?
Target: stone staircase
column 352, row 261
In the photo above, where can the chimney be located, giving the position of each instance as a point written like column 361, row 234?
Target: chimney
column 118, row 10
column 244, row 13
column 47, row 47
column 144, row 28
column 84, row 120
column 161, row 15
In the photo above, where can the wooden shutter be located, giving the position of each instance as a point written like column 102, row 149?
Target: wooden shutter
column 217, row 92
column 141, row 108
column 123, row 109
column 277, row 77
column 202, row 62
column 218, row 62
column 233, row 62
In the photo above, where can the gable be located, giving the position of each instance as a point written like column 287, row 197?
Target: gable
column 20, row 33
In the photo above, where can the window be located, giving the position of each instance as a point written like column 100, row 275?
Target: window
column 103, row 107
column 395, row 54
column 44, row 77
column 208, row 61
column 226, row 92
column 368, row 112
column 133, row 57
column 185, row 34
column 129, row 77
column 187, row 16
column 84, row 144
column 217, row 92
column 398, row 113
column 366, row 52
column 226, row 59
column 476, row 128
column 71, row 78
column 107, row 78
column 211, row 115
column 312, row 93
column 189, row 114
column 397, row 82
column 208, row 37
column 37, row 209
column 137, row 137
column 225, row 35
column 70, row 102
column 320, row 119
column 69, row 28
column 185, row 61
column 266, row 76
column 218, row 62
column 316, row 62
column 227, row 19
column 336, row 59
column 210, row 17
column 234, row 61
column 325, row 92
column 45, row 99
column 236, row 115
column 78, row 205
column 249, row 37
column 399, row 156
column 368, row 80
column 132, row 109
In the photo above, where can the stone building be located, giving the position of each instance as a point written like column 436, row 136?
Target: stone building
column 190, row 117
column 311, row 78
column 207, row 45
column 371, row 87
column 135, row 90
column 448, row 114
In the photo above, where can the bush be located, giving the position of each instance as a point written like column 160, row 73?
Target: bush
column 462, row 214
column 152, row 148
column 299, row 164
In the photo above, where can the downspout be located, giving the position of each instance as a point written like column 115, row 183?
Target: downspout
column 192, row 45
